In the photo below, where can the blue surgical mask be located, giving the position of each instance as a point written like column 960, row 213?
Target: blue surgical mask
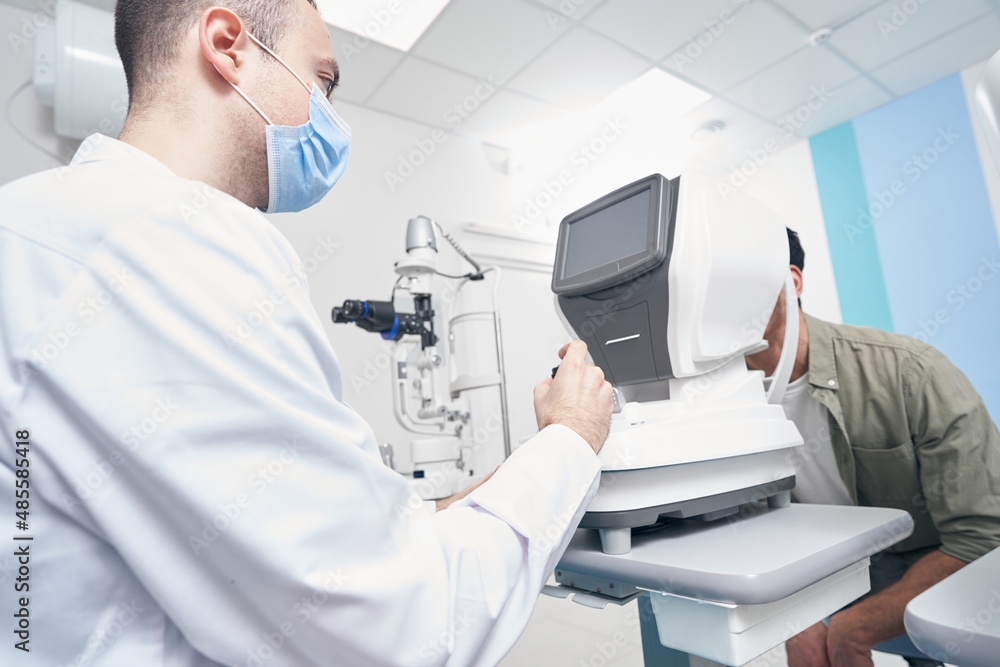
column 304, row 162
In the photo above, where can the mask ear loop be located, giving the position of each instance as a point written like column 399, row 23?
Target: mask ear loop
column 244, row 96
column 278, row 58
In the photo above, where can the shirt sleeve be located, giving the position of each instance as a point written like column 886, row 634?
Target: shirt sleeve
column 958, row 448
column 247, row 498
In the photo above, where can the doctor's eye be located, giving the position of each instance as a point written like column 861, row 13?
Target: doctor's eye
column 329, row 86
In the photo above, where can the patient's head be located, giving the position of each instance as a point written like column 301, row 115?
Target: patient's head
column 774, row 334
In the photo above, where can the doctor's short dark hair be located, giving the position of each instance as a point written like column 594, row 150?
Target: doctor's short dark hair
column 796, row 255
column 147, row 34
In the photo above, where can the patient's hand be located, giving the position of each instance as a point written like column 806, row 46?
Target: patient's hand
column 808, row 648
column 445, row 502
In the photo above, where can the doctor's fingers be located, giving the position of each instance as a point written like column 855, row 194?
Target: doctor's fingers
column 574, row 352
column 573, row 372
column 542, row 388
column 591, row 376
column 587, row 386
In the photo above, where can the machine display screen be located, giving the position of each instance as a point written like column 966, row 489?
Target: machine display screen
column 608, row 236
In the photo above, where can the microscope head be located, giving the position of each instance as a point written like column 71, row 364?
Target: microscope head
column 669, row 279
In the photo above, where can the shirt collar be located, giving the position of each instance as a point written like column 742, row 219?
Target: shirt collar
column 822, row 362
column 101, row 148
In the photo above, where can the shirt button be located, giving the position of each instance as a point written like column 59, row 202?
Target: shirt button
column 832, row 383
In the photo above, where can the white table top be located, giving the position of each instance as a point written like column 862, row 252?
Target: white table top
column 753, row 560
column 958, row 620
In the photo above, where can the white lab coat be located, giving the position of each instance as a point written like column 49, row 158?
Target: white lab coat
column 200, row 493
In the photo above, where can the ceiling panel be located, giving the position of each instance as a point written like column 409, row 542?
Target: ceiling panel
column 887, row 32
column 845, row 103
column 573, row 10
column 363, row 64
column 570, row 54
column 506, row 111
column 424, row 92
column 580, row 69
column 489, row 38
column 759, row 36
column 791, row 81
column 964, row 47
column 657, row 28
column 833, row 13
column 399, row 25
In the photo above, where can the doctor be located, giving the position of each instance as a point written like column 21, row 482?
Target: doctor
column 200, row 497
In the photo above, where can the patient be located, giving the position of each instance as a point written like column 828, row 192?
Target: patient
column 887, row 422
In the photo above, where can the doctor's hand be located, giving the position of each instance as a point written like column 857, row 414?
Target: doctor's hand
column 808, row 648
column 578, row 397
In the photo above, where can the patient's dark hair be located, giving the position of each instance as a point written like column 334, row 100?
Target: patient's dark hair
column 796, row 255
column 147, row 33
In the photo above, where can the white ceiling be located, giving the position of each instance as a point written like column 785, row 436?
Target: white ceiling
column 551, row 57
column 546, row 58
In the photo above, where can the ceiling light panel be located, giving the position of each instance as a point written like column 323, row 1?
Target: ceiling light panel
column 395, row 23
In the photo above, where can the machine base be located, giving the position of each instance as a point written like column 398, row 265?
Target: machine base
column 736, row 634
column 616, row 527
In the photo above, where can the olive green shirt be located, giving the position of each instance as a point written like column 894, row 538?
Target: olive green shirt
column 909, row 431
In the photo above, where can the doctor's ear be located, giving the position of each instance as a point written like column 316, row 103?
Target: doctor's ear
column 223, row 41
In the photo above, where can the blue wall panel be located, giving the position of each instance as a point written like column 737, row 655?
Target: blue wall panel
column 853, row 250
column 930, row 215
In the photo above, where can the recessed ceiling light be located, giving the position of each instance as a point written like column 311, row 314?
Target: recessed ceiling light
column 822, row 35
column 707, row 130
column 395, row 23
